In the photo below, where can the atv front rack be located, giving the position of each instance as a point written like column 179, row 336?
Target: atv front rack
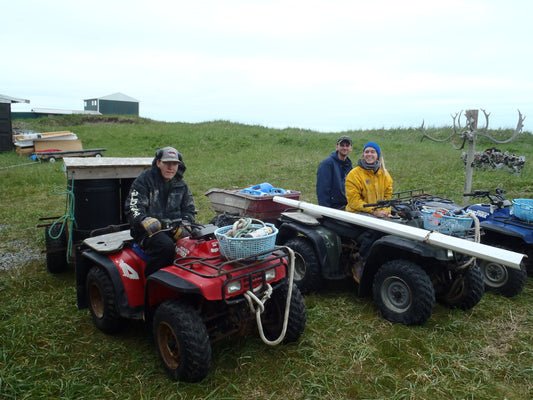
column 251, row 271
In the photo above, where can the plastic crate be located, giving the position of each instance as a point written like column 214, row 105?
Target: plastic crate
column 233, row 248
column 438, row 221
column 523, row 209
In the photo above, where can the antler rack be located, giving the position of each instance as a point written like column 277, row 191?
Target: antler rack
column 469, row 134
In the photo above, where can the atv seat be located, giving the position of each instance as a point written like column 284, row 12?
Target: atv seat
column 110, row 242
column 344, row 229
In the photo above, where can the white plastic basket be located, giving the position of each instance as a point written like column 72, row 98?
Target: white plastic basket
column 523, row 209
column 233, row 248
column 437, row 221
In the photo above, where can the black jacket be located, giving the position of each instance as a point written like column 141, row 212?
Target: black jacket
column 149, row 196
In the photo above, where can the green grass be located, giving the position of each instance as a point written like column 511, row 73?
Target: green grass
column 49, row 349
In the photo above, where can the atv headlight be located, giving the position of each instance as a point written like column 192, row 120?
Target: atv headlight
column 270, row 274
column 233, row 287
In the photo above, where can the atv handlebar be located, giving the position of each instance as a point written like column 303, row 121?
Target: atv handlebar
column 497, row 198
column 192, row 229
column 384, row 203
column 478, row 193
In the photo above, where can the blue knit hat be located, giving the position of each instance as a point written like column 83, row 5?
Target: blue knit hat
column 375, row 146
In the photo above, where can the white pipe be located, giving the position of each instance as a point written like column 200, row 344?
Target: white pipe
column 495, row 254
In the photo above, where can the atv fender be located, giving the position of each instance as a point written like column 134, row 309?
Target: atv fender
column 392, row 247
column 501, row 230
column 166, row 279
column 326, row 243
column 160, row 284
column 84, row 261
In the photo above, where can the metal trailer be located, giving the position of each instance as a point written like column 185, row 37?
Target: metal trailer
column 52, row 156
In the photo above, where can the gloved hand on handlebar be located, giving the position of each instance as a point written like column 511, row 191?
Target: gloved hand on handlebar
column 177, row 233
column 151, row 225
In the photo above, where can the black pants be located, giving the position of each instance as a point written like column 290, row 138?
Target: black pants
column 367, row 240
column 160, row 249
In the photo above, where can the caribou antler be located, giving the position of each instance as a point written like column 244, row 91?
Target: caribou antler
column 456, row 124
column 518, row 129
column 457, row 117
column 461, row 147
column 462, row 134
column 424, row 134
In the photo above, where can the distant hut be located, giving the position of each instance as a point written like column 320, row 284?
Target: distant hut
column 6, row 132
column 116, row 103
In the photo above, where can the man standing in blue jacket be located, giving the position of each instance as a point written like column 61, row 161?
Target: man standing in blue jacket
column 331, row 175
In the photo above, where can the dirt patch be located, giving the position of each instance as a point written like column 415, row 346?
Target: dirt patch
column 15, row 254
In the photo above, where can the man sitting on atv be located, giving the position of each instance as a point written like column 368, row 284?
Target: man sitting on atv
column 159, row 194
column 367, row 183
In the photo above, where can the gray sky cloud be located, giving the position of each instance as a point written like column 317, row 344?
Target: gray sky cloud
column 333, row 65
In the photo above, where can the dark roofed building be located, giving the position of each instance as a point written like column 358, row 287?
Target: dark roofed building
column 6, row 132
column 116, row 103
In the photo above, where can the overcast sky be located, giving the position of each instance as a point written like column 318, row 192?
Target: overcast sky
column 328, row 65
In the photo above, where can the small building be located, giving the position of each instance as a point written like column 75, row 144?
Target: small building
column 6, row 132
column 117, row 104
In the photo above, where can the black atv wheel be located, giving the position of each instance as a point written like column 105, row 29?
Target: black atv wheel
column 465, row 289
column 274, row 314
column 307, row 273
column 403, row 292
column 182, row 341
column 101, row 295
column 56, row 248
column 501, row 280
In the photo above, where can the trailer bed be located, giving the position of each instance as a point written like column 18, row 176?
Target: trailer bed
column 248, row 205
column 52, row 156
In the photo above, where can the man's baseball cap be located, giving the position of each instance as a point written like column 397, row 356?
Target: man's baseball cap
column 345, row 139
column 169, row 154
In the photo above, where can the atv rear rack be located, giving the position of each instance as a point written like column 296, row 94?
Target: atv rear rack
column 514, row 221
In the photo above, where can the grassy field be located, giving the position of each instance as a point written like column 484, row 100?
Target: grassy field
column 49, row 349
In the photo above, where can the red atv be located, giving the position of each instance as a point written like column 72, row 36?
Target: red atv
column 198, row 299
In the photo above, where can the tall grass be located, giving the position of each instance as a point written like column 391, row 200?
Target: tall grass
column 49, row 349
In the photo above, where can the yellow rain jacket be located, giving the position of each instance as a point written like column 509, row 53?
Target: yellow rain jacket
column 363, row 186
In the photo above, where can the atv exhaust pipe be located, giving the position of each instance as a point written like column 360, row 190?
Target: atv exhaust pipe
column 495, row 254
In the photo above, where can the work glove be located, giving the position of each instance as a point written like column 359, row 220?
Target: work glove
column 177, row 233
column 151, row 225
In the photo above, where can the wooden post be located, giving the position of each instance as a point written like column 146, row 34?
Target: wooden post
column 471, row 133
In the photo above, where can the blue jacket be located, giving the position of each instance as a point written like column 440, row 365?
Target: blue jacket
column 330, row 178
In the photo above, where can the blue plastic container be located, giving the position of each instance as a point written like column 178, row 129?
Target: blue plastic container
column 523, row 209
column 253, row 192
column 264, row 187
